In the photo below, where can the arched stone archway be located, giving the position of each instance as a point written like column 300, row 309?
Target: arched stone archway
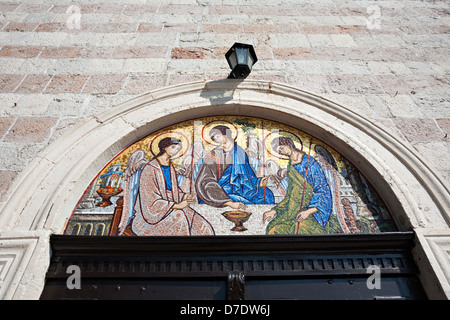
column 43, row 196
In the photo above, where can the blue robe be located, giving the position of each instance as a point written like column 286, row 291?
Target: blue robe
column 229, row 177
column 167, row 177
column 321, row 199
column 307, row 188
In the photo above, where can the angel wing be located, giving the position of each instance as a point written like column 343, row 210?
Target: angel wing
column 254, row 152
column 136, row 162
column 265, row 168
column 190, row 166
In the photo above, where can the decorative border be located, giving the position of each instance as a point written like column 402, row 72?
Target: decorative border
column 18, row 264
column 434, row 248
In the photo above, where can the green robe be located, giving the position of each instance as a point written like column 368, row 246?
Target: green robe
column 285, row 222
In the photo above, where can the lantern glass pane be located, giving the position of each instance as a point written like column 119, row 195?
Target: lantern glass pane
column 232, row 59
column 241, row 54
column 250, row 61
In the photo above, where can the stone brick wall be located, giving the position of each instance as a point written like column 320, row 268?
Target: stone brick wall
column 387, row 60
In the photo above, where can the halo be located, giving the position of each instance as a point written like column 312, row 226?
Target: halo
column 207, row 128
column 281, row 133
column 154, row 149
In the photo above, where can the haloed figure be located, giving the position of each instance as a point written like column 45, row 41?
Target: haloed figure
column 226, row 178
column 161, row 207
column 307, row 206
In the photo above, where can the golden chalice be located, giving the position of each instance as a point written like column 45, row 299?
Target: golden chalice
column 238, row 218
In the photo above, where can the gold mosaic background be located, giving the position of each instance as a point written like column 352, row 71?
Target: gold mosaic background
column 364, row 207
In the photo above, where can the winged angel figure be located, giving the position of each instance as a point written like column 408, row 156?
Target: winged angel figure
column 154, row 204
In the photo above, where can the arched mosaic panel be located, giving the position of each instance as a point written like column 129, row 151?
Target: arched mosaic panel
column 229, row 175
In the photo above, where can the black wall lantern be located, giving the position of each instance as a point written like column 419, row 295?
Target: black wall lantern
column 241, row 58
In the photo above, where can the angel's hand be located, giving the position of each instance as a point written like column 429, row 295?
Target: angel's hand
column 276, row 179
column 264, row 181
column 269, row 215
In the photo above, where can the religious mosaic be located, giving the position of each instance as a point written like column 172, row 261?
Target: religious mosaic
column 229, row 175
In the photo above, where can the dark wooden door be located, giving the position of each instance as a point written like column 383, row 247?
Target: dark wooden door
column 229, row 267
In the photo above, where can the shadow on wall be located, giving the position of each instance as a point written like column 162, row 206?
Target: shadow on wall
column 213, row 93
